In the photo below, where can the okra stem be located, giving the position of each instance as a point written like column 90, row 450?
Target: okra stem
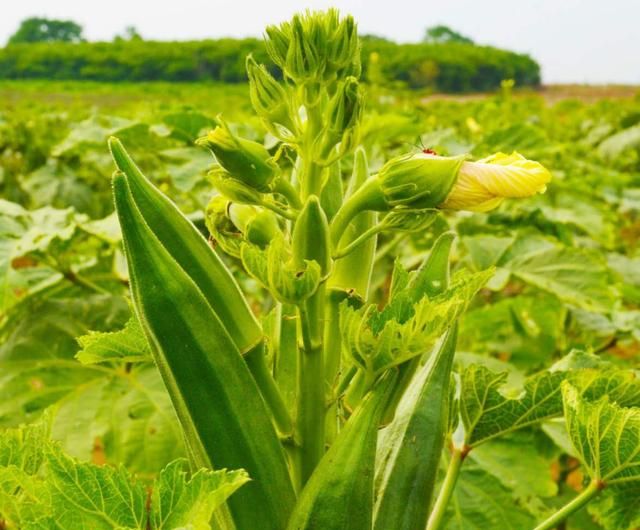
column 591, row 491
column 311, row 385
column 446, row 490
column 256, row 361
column 346, row 380
column 349, row 248
column 311, row 181
column 332, row 354
column 286, row 189
column 76, row 278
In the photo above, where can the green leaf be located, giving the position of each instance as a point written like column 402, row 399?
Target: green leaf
column 405, row 328
column 90, row 497
column 510, row 460
column 577, row 276
column 486, row 250
column 22, row 448
column 126, row 345
column 618, row 507
column 605, row 435
column 480, row 502
column 613, row 146
column 101, row 413
column 188, row 125
column 178, row 501
column 489, row 407
column 45, row 323
column 43, row 488
column 529, row 329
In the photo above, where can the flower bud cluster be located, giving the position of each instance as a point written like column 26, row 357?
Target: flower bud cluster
column 315, row 46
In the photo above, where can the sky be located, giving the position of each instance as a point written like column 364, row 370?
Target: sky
column 575, row 41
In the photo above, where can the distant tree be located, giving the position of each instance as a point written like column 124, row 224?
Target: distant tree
column 444, row 34
column 374, row 38
column 130, row 33
column 47, row 30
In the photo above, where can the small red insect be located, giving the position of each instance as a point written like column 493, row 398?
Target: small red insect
column 428, row 151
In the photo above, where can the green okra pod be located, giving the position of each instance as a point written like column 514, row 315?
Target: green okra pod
column 411, row 446
column 190, row 249
column 310, row 242
column 310, row 239
column 339, row 495
column 217, row 400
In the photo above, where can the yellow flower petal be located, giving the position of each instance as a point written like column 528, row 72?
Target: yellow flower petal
column 482, row 185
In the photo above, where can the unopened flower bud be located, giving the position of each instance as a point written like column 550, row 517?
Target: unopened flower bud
column 426, row 181
column 417, row 181
column 277, row 42
column 343, row 117
column 245, row 160
column 259, row 226
column 483, row 185
column 222, row 230
column 268, row 97
column 303, row 61
column 234, row 189
column 344, row 45
column 310, row 239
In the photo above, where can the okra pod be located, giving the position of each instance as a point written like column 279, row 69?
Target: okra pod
column 411, row 446
column 217, row 400
column 339, row 495
column 190, row 249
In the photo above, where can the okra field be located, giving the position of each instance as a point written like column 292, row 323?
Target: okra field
column 315, row 301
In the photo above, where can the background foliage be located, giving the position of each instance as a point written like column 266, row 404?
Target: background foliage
column 451, row 66
column 565, row 295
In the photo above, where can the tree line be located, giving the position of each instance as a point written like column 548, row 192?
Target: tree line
column 445, row 61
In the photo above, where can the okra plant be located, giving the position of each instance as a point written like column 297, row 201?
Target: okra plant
column 341, row 409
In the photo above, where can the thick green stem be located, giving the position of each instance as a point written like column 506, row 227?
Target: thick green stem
column 591, row 491
column 332, row 353
column 332, row 339
column 257, row 363
column 311, row 175
column 311, row 385
column 312, row 181
column 444, row 496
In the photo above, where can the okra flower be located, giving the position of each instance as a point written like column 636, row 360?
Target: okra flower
column 423, row 181
column 483, row 185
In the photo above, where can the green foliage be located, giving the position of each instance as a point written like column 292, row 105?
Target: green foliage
column 46, row 30
column 444, row 34
column 41, row 487
column 529, row 282
column 457, row 66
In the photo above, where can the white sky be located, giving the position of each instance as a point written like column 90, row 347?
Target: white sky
column 595, row 41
